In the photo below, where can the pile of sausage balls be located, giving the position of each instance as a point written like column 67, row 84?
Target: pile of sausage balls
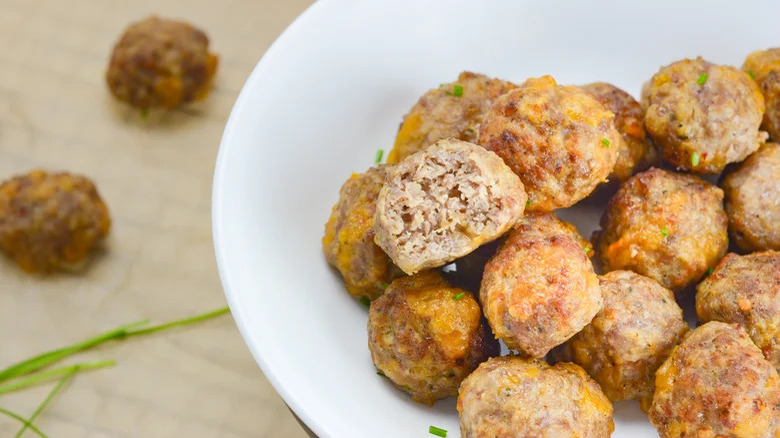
column 477, row 170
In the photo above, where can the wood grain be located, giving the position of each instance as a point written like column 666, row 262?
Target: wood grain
column 158, row 263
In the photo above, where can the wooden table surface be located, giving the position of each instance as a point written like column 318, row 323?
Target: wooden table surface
column 158, row 262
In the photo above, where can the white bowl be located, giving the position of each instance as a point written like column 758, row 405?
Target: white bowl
column 331, row 91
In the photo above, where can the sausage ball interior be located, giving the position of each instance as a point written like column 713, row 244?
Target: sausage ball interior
column 716, row 383
column 703, row 116
column 629, row 338
column 559, row 140
column 753, row 200
column 161, row 63
column 745, row 290
column 426, row 336
column 514, row 397
column 452, row 110
column 444, row 202
column 349, row 236
column 50, row 221
column 667, row 226
column 635, row 151
column 764, row 67
column 539, row 289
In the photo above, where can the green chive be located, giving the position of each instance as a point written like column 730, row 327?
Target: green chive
column 433, row 430
column 709, row 272
column 45, row 376
column 527, row 203
column 665, row 232
column 383, row 285
column 587, row 249
column 458, row 296
column 145, row 113
column 45, row 402
column 381, row 374
column 695, row 159
column 702, row 79
column 379, row 154
column 365, row 301
column 406, row 387
column 752, row 75
column 23, row 421
column 605, row 142
column 457, row 90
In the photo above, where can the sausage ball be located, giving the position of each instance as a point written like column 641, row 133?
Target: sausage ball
column 559, row 140
column 50, row 221
column 635, row 151
column 509, row 397
column 764, row 67
column 745, row 290
column 349, row 236
column 161, row 63
column 716, row 384
column 452, row 110
column 629, row 338
column 664, row 225
column 426, row 336
column 539, row 289
column 703, row 116
column 753, row 200
column 444, row 202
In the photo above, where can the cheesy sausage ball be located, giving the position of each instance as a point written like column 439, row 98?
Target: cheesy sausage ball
column 764, row 67
column 629, row 338
column 539, row 289
column 426, row 336
column 444, row 202
column 161, row 63
column 667, row 226
column 508, row 397
column 559, row 140
column 452, row 110
column 635, row 151
column 716, row 384
column 703, row 116
column 50, row 221
column 745, row 290
column 753, row 200
column 349, row 236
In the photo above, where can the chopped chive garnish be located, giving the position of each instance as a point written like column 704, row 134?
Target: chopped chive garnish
column 383, row 285
column 458, row 296
column 527, row 203
column 665, row 232
column 709, row 272
column 379, row 155
column 433, row 430
column 605, row 142
column 752, row 75
column 145, row 113
column 380, row 374
column 457, row 90
column 587, row 249
column 695, row 159
column 365, row 301
column 406, row 387
column 702, row 79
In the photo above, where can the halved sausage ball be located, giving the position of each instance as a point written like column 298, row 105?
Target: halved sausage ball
column 703, row 116
column 426, row 336
column 560, row 140
column 349, row 236
column 745, row 290
column 764, row 67
column 667, row 226
column 452, row 110
column 444, row 202
column 539, row 289
column 508, row 397
column 716, row 383
column 629, row 338
column 753, row 200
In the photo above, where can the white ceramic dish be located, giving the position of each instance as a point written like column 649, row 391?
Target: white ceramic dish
column 331, row 91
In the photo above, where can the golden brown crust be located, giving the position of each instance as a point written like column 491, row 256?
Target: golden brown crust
column 508, row 397
column 629, row 338
column 764, row 67
column 426, row 336
column 50, row 221
column 716, row 384
column 703, row 116
column 539, row 289
column 441, row 114
column 349, row 236
column 635, row 151
column 745, row 290
column 667, row 226
column 161, row 63
column 559, row 140
column 753, row 200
